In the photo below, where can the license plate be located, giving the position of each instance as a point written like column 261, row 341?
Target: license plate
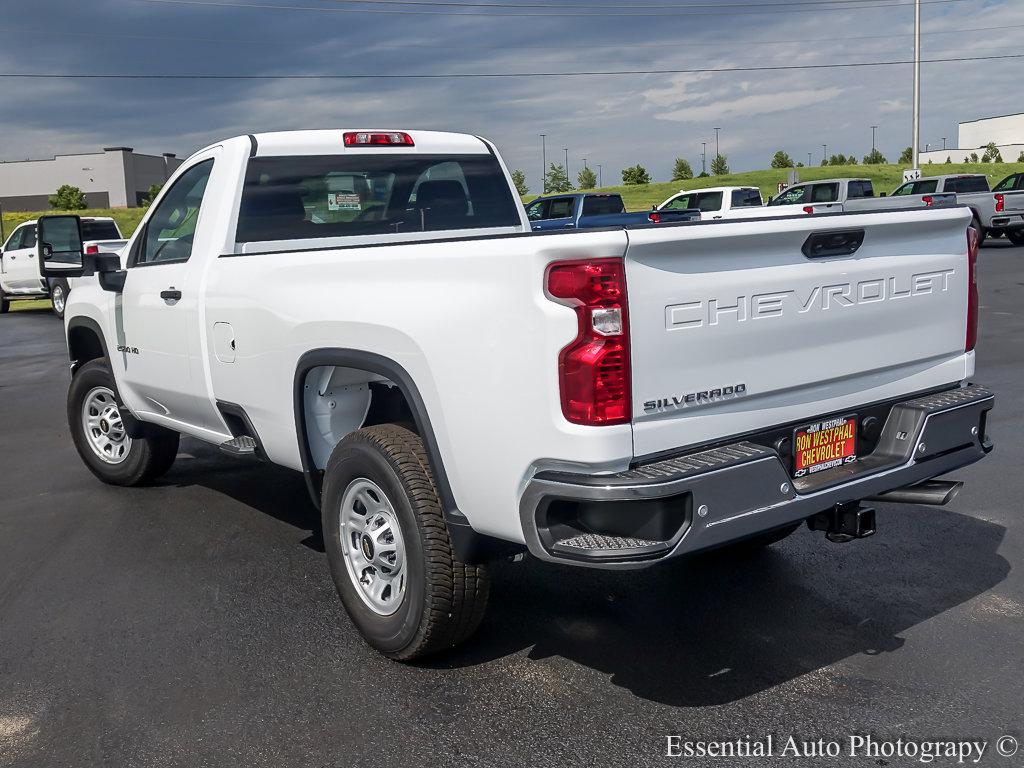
column 824, row 445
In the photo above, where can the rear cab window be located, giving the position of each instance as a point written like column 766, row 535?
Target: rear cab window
column 598, row 205
column 328, row 196
column 100, row 230
column 825, row 193
column 746, row 198
column 966, row 184
column 859, row 189
column 709, row 201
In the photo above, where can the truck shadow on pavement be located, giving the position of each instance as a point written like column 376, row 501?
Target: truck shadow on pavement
column 718, row 628
column 707, row 630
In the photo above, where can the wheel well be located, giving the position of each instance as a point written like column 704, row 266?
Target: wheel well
column 337, row 401
column 84, row 345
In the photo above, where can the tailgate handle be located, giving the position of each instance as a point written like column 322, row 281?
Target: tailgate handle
column 843, row 242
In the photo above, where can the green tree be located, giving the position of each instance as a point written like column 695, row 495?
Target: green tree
column 703, row 175
column 519, row 179
column 586, row 178
column 781, row 160
column 949, row 160
column 973, row 158
column 556, row 179
column 992, row 153
column 799, row 165
column 720, row 165
column 636, row 175
column 907, row 156
column 68, row 198
column 1020, row 157
column 682, row 170
column 875, row 157
column 154, row 190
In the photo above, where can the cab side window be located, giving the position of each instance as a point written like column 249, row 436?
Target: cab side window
column 14, row 241
column 561, row 208
column 538, row 211
column 172, row 226
column 791, row 196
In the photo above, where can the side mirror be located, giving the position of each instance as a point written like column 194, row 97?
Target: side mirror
column 59, row 246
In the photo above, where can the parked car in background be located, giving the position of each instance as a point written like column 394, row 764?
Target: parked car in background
column 19, row 266
column 990, row 208
column 716, row 202
column 853, row 195
column 589, row 210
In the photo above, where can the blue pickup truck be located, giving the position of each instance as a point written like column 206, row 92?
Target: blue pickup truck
column 587, row 210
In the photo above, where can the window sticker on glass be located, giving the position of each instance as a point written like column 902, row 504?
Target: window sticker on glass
column 343, row 201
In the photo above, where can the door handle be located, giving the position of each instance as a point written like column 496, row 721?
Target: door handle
column 170, row 295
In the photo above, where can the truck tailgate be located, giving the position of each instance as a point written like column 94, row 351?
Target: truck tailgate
column 734, row 329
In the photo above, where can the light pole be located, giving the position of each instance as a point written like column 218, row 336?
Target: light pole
column 808, row 159
column 917, row 84
column 873, row 127
column 704, row 157
column 566, row 150
column 943, row 143
column 600, row 176
column 717, row 153
column 824, row 153
column 544, row 163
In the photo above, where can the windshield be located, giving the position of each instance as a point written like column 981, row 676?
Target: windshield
column 297, row 198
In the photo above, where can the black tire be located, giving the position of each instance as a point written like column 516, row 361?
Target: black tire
column 59, row 290
column 5, row 303
column 145, row 458
column 444, row 600
column 982, row 233
column 1015, row 236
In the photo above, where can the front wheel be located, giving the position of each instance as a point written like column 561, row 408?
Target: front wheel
column 5, row 303
column 1015, row 236
column 388, row 547
column 59, row 296
column 99, row 433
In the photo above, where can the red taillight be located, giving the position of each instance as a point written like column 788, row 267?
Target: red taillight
column 1000, row 203
column 928, row 200
column 92, row 249
column 972, row 289
column 593, row 371
column 378, row 139
column 808, row 209
column 654, row 217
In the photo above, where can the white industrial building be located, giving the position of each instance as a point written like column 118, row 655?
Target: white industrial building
column 117, row 177
column 1006, row 131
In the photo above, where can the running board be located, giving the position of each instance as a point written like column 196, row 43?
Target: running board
column 243, row 445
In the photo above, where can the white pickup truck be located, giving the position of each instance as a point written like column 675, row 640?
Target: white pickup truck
column 998, row 211
column 738, row 203
column 19, row 266
column 370, row 308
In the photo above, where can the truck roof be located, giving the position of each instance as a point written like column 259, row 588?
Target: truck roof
column 83, row 218
column 831, row 181
column 330, row 142
column 715, row 189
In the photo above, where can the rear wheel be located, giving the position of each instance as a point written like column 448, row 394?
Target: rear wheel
column 976, row 226
column 99, row 433
column 1015, row 236
column 5, row 303
column 59, row 296
column 388, row 547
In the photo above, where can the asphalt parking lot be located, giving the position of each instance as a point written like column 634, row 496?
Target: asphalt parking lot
column 195, row 623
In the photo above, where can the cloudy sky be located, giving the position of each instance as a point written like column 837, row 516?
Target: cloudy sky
column 612, row 120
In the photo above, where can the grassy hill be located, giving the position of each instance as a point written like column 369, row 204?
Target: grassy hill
column 127, row 218
column 884, row 177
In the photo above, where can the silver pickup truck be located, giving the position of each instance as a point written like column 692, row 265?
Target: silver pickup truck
column 857, row 195
column 996, row 211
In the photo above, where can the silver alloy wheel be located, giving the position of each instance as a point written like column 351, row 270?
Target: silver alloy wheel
column 57, row 297
column 374, row 549
column 104, row 429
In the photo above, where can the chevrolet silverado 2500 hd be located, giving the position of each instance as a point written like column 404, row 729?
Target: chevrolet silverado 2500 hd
column 371, row 308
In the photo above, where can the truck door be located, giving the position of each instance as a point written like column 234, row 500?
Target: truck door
column 20, row 265
column 157, row 322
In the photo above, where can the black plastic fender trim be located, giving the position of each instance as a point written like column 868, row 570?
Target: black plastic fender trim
column 470, row 547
